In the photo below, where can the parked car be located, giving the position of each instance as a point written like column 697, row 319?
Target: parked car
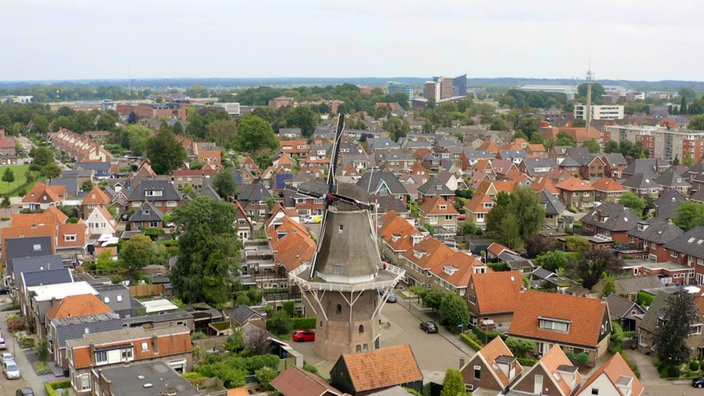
column 313, row 220
column 24, row 392
column 391, row 297
column 303, row 335
column 4, row 290
column 698, row 382
column 11, row 370
column 429, row 327
column 6, row 356
column 2, row 343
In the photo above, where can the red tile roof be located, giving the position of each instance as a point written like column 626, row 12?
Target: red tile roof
column 428, row 253
column 491, row 352
column 574, row 184
column 608, row 185
column 78, row 305
column 497, row 292
column 298, row 382
column 585, row 317
column 437, row 206
column 382, row 368
column 551, row 362
column 96, row 196
column 476, row 205
column 614, row 369
column 457, row 269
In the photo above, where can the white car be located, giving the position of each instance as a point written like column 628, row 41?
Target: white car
column 2, row 343
column 7, row 356
column 11, row 370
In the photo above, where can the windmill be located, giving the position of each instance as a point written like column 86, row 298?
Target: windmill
column 341, row 284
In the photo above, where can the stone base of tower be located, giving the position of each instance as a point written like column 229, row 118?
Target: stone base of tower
column 334, row 339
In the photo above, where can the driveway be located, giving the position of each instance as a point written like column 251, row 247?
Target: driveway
column 654, row 385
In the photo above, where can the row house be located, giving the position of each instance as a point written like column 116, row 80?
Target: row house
column 611, row 221
column 649, row 238
column 454, row 273
column 398, row 236
column 295, row 148
column 63, row 329
column 688, row 250
column 656, row 316
column 422, row 258
column 195, row 178
column 170, row 345
column 397, row 161
column 574, row 323
column 81, row 148
column 672, row 180
column 42, row 297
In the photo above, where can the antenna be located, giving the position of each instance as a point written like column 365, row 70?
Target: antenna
column 588, row 110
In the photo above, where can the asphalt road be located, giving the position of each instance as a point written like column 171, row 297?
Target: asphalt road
column 29, row 378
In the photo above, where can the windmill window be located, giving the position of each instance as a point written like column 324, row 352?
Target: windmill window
column 361, row 329
column 338, row 309
column 342, row 227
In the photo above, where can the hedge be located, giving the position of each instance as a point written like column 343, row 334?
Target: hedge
column 51, row 387
column 527, row 362
column 300, row 323
column 644, row 299
column 487, row 335
column 469, row 341
column 498, row 267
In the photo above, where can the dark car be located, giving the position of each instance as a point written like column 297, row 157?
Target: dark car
column 698, row 382
column 303, row 335
column 24, row 392
column 429, row 327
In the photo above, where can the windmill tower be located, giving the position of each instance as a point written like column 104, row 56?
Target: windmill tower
column 341, row 285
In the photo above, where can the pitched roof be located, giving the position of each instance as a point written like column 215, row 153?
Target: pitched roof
column 45, row 277
column 497, row 292
column 298, row 382
column 612, row 217
column 584, row 315
column 96, row 196
column 617, row 371
column 435, row 186
column 574, row 184
column 254, row 192
column 457, row 269
column 553, row 206
column 494, row 350
column 67, row 229
column 555, row 362
column 620, row 307
column 382, row 368
column 690, row 243
column 655, row 230
column 147, row 212
column 146, row 190
column 496, row 249
column 437, row 206
column 397, row 232
column 77, row 305
column 476, row 205
column 640, row 181
column 608, row 185
column 428, row 253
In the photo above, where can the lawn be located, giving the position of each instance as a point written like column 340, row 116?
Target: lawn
column 19, row 171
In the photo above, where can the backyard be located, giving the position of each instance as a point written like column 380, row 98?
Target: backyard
column 19, row 173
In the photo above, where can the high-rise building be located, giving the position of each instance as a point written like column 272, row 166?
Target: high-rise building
column 661, row 142
column 396, row 88
column 459, row 85
column 445, row 87
column 600, row 112
column 431, row 91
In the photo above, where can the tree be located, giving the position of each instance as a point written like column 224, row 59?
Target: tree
column 303, row 117
column 688, row 93
column 519, row 347
column 670, row 341
column 609, row 287
column 222, row 131
column 224, row 184
column 696, row 122
column 552, row 261
column 453, row 310
column 597, row 91
column 593, row 263
column 137, row 138
column 577, row 243
column 453, row 384
column 611, row 147
column 165, row 152
column 8, row 176
column 41, row 157
column 208, row 250
column 40, row 124
column 633, row 201
column 516, row 217
column 254, row 133
column 537, row 245
column 51, row 171
column 592, row 146
column 565, row 139
column 134, row 254
column 690, row 214
column 433, row 298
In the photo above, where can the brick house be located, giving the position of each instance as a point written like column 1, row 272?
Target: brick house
column 553, row 375
column 610, row 220
column 493, row 368
column 171, row 345
column 607, row 190
column 492, row 298
column 576, row 193
column 650, row 236
column 437, row 212
column 688, row 250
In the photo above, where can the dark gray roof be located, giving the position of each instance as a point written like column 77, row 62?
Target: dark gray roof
column 26, row 247
column 388, row 203
column 655, row 310
column 670, row 196
column 382, row 144
column 254, row 192
column 668, row 203
column 168, row 191
column 147, row 212
column 569, row 162
column 631, row 284
column 478, row 154
column 690, row 243
column 553, row 206
column 434, row 187
column 75, row 327
column 576, row 152
column 542, row 273
column 511, row 154
column 413, row 145
column 130, row 380
column 372, row 181
column 99, row 168
column 655, row 230
column 71, row 184
column 46, row 277
column 620, row 307
column 697, row 196
column 210, row 193
column 538, row 166
column 397, row 155
column 138, row 321
column 670, row 178
column 31, row 264
column 647, row 166
column 612, row 217
column 242, row 313
column 640, row 181
column 614, row 159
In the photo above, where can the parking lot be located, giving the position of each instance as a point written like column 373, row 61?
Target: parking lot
column 435, row 353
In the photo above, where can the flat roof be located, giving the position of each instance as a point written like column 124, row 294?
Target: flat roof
column 61, row 290
column 159, row 305
column 126, row 334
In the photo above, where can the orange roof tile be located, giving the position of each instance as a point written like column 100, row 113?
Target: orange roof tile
column 544, row 183
column 614, row 369
column 457, row 269
column 551, row 361
column 67, row 229
column 96, row 196
column 428, row 253
column 574, row 184
column 382, row 368
column 437, row 206
column 497, row 292
column 496, row 248
column 33, row 219
column 78, row 305
column 489, row 146
column 398, row 234
column 585, row 316
column 295, row 381
column 477, row 204
column 491, row 352
column 609, row 185
column 60, row 216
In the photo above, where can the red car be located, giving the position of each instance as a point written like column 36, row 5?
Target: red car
column 303, row 335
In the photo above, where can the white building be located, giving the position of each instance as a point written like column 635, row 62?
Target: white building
column 600, row 112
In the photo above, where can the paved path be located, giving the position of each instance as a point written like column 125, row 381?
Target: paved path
column 654, row 385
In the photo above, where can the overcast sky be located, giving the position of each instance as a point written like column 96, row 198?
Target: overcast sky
column 87, row 39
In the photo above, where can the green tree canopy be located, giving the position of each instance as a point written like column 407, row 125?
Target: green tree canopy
column 696, row 122
column 224, row 184
column 633, row 201
column 137, row 138
column 453, row 384
column 593, row 264
column 8, row 176
column 690, row 214
column 208, row 250
column 597, row 92
column 222, row 131
column 135, row 254
column 516, row 217
column 670, row 341
column 453, row 310
column 303, row 117
column 254, row 133
column 165, row 152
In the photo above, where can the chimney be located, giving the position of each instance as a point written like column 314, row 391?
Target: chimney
column 155, row 344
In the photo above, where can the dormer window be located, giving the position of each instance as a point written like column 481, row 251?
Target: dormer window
column 555, row 324
column 443, row 207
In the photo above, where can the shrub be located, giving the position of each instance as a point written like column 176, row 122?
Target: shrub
column 527, row 362
column 644, row 299
column 469, row 341
column 582, row 358
column 310, row 368
column 570, row 355
column 42, row 350
column 304, row 323
column 198, row 335
column 631, row 364
column 41, row 368
column 673, row 371
column 701, row 365
column 264, row 376
column 15, row 323
column 52, row 388
column 694, row 365
column 498, row 267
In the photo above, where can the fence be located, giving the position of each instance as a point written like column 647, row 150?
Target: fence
column 146, row 290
